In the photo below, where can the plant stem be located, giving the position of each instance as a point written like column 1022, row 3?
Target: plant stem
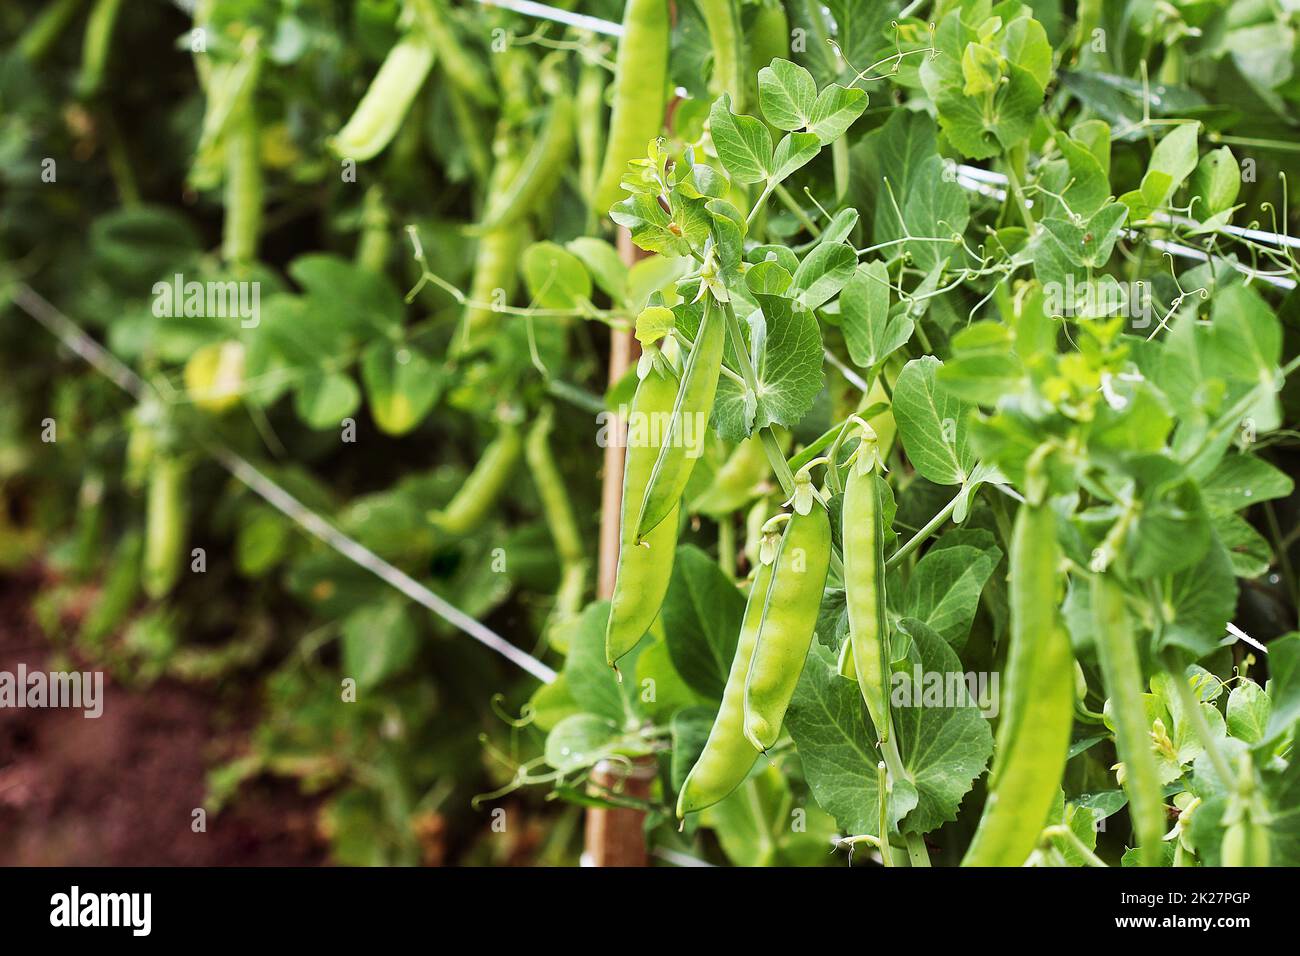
column 916, row 852
column 930, row 528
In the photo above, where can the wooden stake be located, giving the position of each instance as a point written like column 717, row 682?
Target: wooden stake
column 616, row 837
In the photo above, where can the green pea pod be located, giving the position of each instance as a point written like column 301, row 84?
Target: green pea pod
column 376, row 241
column 863, row 536
column 727, row 756
column 385, row 104
column 789, row 619
column 96, row 45
column 645, row 564
column 640, row 81
column 560, row 520
column 461, row 67
column 591, row 131
column 768, row 38
column 684, row 434
column 165, row 520
column 540, row 171
column 243, row 222
column 471, row 504
column 121, row 588
column 1034, row 733
column 1122, row 673
column 477, row 496
column 723, row 21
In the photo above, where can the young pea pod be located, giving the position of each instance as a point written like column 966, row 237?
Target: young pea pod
column 560, row 520
column 684, row 434
column 1034, row 734
column 645, row 564
column 723, row 20
column 591, row 133
column 165, row 521
column 471, row 504
column 540, row 171
column 496, row 262
column 243, row 223
column 640, row 80
column 1122, row 673
column 789, row 619
column 461, row 67
column 387, row 101
column 863, row 536
column 728, row 756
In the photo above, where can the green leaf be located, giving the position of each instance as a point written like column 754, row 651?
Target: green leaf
column 556, row 278
column 944, row 589
column 342, row 292
column 794, row 152
column 1200, row 601
column 1247, row 712
column 931, row 424
column 701, row 616
column 981, row 69
column 984, row 366
column 660, row 690
column 823, row 273
column 379, row 640
column 787, row 350
column 787, row 94
column 1283, row 686
column 1215, row 183
column 835, row 111
column 401, row 386
column 324, row 400
column 870, row 332
column 1244, row 345
column 1175, row 156
column 592, row 682
column 1025, row 44
column 604, row 264
column 743, row 143
column 1239, row 481
column 651, row 225
column 937, row 210
column 581, row 740
column 654, row 323
column 690, row 729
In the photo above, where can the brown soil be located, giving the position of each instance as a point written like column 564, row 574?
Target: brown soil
column 121, row 790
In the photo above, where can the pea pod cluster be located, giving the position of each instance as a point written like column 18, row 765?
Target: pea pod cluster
column 1034, row 733
column 470, row 506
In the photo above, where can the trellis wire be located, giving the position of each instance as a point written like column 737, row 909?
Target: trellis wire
column 113, row 368
column 540, row 10
column 988, row 183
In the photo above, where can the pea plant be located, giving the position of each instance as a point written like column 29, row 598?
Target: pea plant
column 1067, row 425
